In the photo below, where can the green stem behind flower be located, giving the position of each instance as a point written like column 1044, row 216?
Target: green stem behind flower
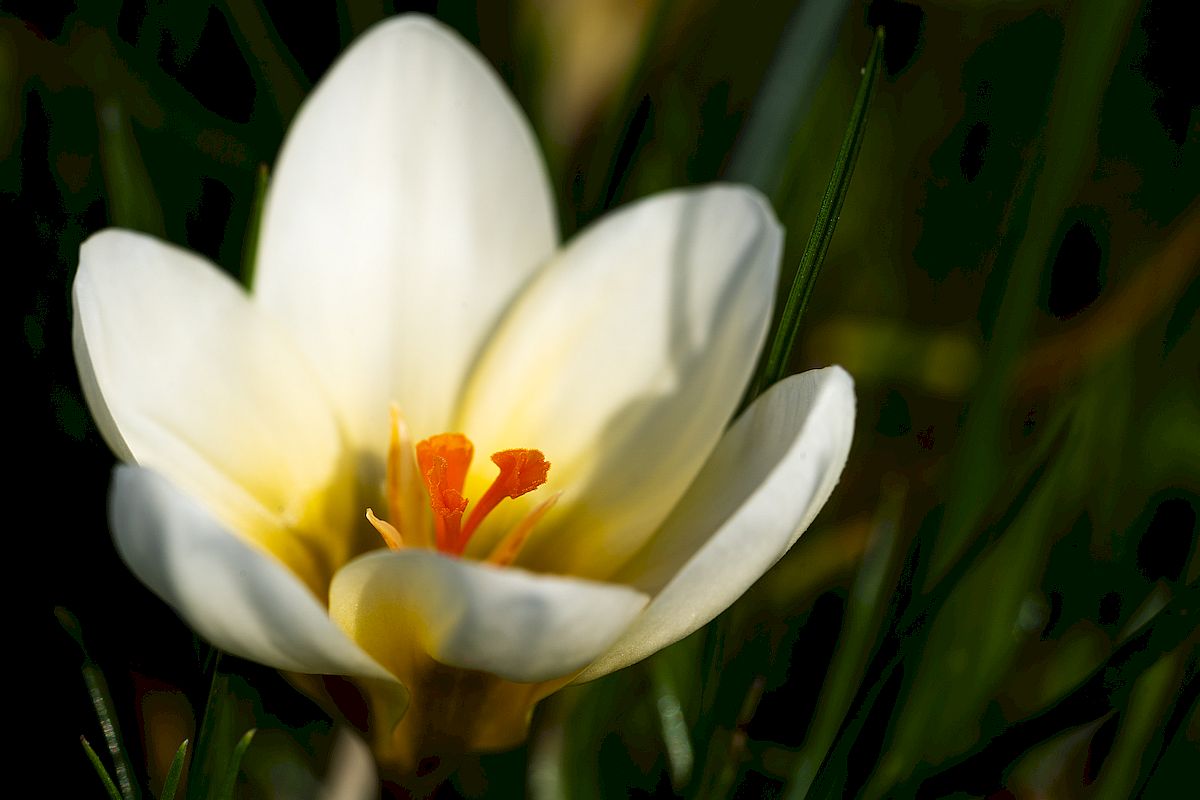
column 775, row 365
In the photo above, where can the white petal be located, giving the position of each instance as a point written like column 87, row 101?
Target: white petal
column 352, row 774
column 512, row 623
column 763, row 486
column 185, row 376
column 624, row 360
column 408, row 204
column 240, row 599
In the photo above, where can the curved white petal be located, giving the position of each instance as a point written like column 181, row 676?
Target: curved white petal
column 408, row 204
column 623, row 361
column 352, row 774
column 238, row 598
column 511, row 623
column 185, row 376
column 763, row 486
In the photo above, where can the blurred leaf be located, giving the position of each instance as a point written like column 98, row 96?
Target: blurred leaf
column 665, row 667
column 994, row 609
column 1140, row 735
column 102, row 702
column 1108, row 686
column 171, row 784
column 185, row 21
column 776, row 362
column 602, row 171
column 580, row 729
column 132, row 201
column 972, row 641
column 229, row 781
column 228, row 713
column 860, row 631
column 1175, row 764
column 105, row 778
column 281, row 764
column 1005, row 83
column 785, row 95
column 1092, row 44
column 942, row 363
column 1157, row 283
column 822, row 559
column 355, row 16
column 268, row 55
column 911, row 630
column 254, row 225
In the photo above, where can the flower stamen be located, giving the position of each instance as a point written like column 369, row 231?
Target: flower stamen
column 521, row 471
column 390, row 535
column 442, row 462
column 506, row 550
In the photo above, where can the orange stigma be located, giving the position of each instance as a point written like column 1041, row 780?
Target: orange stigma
column 521, row 471
column 441, row 463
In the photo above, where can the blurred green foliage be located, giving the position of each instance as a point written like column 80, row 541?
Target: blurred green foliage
column 1001, row 597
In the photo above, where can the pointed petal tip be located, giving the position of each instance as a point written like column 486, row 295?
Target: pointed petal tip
column 413, row 148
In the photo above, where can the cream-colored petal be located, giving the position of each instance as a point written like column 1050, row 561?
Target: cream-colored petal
column 408, row 204
column 763, row 486
column 232, row 594
column 185, row 376
column 352, row 774
column 508, row 622
column 622, row 362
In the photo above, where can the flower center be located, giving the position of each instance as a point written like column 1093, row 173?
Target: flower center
column 436, row 468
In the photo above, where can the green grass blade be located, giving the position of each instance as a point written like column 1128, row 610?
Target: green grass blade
column 1106, row 687
column 1093, row 43
column 102, row 702
column 235, row 765
column 864, row 614
column 105, row 778
column 214, row 735
column 254, row 226
column 669, row 706
column 266, row 52
column 171, row 784
column 1141, row 732
column 909, row 633
column 131, row 196
column 775, row 365
column 785, row 97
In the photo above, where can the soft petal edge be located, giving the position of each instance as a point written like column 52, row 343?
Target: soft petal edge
column 515, row 624
column 240, row 599
column 765, row 483
column 409, row 203
column 639, row 337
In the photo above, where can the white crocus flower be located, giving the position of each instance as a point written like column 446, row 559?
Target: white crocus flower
column 410, row 282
